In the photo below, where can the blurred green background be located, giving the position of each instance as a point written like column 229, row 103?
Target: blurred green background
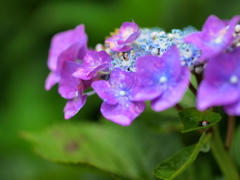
column 26, row 30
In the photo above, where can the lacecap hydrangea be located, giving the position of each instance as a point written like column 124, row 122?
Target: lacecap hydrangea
column 135, row 65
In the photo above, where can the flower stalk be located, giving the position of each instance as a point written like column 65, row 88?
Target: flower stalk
column 222, row 156
column 230, row 130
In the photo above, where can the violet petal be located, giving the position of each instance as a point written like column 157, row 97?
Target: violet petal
column 122, row 114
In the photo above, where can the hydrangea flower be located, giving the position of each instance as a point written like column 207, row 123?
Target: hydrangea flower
column 215, row 37
column 120, row 42
column 149, row 66
column 92, row 63
column 75, row 39
column 117, row 94
column 162, row 80
column 221, row 83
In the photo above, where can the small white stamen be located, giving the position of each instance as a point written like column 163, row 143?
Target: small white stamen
column 99, row 47
column 170, row 35
column 237, row 28
column 163, row 46
column 122, row 93
column 187, row 53
column 154, row 34
column 233, row 79
column 161, row 33
column 126, row 63
column 154, row 51
column 163, row 79
column 147, row 47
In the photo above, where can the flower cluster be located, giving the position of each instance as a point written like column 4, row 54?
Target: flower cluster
column 135, row 65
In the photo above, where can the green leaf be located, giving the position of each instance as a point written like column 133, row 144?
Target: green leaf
column 124, row 152
column 179, row 162
column 193, row 119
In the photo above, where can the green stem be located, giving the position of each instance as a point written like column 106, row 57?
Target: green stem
column 193, row 89
column 178, row 107
column 231, row 120
column 198, row 77
column 222, row 157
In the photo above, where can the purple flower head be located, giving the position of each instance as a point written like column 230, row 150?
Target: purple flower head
column 215, row 37
column 221, row 83
column 93, row 62
column 118, row 105
column 162, row 80
column 71, row 45
column 120, row 42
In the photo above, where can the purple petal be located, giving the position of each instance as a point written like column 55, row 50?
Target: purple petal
column 123, row 49
column 122, row 80
column 120, row 42
column 173, row 94
column 213, row 24
column 91, row 59
column 70, row 54
column 51, row 80
column 209, row 95
column 132, row 37
column 128, row 28
column 104, row 57
column 93, row 62
column 73, row 53
column 147, row 77
column 62, row 41
column 82, row 73
column 94, row 72
column 122, row 114
column 105, row 91
column 74, row 105
column 146, row 93
column 172, row 58
column 223, row 66
column 233, row 109
column 68, row 85
column 197, row 40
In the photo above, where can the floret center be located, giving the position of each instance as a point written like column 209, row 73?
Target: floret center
column 122, row 93
column 163, row 79
column 233, row 79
